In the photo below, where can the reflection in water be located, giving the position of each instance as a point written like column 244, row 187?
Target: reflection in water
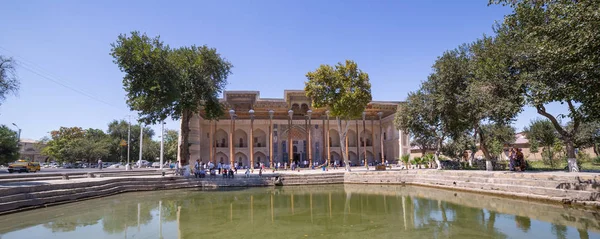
column 349, row 211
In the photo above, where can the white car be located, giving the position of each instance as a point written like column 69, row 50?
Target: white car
column 156, row 165
column 114, row 166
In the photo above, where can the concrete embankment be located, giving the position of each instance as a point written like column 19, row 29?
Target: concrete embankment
column 580, row 189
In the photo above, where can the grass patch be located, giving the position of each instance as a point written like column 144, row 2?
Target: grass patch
column 538, row 165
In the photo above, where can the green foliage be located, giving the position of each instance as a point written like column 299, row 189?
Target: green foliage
column 162, row 82
column 344, row 89
column 9, row 149
column 555, row 47
column 405, row 158
column 588, row 136
column 74, row 144
column 117, row 131
column 582, row 156
column 9, row 83
column 534, row 146
column 417, row 161
column 495, row 148
column 170, row 144
column 541, row 131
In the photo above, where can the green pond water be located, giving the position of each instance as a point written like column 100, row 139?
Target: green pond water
column 337, row 211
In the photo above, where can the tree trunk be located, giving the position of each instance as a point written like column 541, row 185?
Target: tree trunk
column 343, row 132
column 566, row 136
column 184, row 148
column 595, row 149
column 486, row 153
column 571, row 157
column 437, row 152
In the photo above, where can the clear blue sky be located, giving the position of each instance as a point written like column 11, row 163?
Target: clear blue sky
column 272, row 44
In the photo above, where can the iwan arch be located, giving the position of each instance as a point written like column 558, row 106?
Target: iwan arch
column 255, row 128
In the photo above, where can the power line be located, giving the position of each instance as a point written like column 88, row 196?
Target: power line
column 31, row 67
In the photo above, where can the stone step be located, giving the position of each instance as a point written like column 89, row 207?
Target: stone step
column 550, row 192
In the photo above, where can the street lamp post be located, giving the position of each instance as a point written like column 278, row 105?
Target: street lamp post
column 162, row 143
column 128, row 167
column 328, row 142
column 141, row 144
column 18, row 134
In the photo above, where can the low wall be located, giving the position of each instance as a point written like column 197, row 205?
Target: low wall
column 577, row 189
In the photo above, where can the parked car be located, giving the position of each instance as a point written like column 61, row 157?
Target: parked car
column 156, row 165
column 23, row 166
column 114, row 166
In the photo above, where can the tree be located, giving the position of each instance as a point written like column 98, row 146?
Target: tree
column 94, row 145
column 170, row 145
column 162, row 82
column 61, row 145
column 8, row 78
column 425, row 142
column 588, row 136
column 498, row 135
column 117, row 131
column 9, row 148
column 542, row 132
column 344, row 90
column 71, row 144
column 420, row 117
column 556, row 47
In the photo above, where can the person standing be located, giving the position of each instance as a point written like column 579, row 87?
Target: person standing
column 100, row 164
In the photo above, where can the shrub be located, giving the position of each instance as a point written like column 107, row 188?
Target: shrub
column 583, row 156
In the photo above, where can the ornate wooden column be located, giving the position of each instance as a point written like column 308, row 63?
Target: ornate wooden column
column 357, row 141
column 364, row 115
column 290, row 145
column 373, row 138
column 231, row 133
column 327, row 140
column 347, row 158
column 381, row 138
column 271, row 112
column 323, row 151
column 309, row 129
column 251, row 112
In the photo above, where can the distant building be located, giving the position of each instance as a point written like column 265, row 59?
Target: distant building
column 30, row 150
column 521, row 142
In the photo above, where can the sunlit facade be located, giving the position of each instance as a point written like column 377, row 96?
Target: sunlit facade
column 254, row 128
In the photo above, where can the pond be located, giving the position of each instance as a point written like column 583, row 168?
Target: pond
column 336, row 211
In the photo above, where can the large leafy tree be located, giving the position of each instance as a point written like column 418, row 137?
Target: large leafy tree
column 9, row 83
column 162, row 82
column 542, row 132
column 421, row 118
column 70, row 144
column 494, row 93
column 170, row 145
column 61, row 144
column 344, row 90
column 589, row 136
column 556, row 44
column 9, row 149
column 117, row 131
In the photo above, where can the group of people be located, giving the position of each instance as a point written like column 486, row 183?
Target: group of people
column 517, row 160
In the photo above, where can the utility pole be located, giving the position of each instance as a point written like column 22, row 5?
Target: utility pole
column 162, row 143
column 141, row 144
column 128, row 167
column 19, row 134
